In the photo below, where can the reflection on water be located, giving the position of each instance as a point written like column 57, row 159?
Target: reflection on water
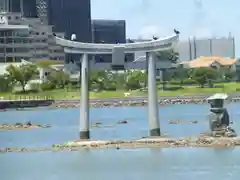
column 180, row 163
column 140, row 164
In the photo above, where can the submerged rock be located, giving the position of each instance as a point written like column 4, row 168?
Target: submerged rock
column 22, row 126
column 122, row 122
column 181, row 122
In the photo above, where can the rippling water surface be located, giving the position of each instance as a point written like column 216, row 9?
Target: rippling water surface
column 179, row 163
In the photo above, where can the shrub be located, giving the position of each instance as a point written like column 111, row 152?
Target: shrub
column 47, row 86
column 189, row 82
column 173, row 88
column 31, row 91
column 34, row 87
column 175, row 82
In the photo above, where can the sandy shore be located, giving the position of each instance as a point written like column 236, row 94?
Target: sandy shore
column 163, row 142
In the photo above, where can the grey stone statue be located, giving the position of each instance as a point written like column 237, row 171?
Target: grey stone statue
column 219, row 118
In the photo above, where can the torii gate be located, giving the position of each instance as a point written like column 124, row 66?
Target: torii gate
column 118, row 50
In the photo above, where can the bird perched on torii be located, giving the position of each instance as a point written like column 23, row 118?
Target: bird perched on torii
column 176, row 32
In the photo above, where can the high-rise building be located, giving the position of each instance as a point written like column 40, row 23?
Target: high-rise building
column 69, row 16
column 111, row 32
column 4, row 5
column 26, row 7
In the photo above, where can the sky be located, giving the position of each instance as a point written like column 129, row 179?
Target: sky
column 200, row 18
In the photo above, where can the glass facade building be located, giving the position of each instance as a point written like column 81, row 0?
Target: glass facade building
column 29, row 8
column 14, row 5
column 70, row 17
column 26, row 7
column 111, row 32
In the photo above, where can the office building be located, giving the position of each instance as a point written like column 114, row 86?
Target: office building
column 4, row 5
column 14, row 42
column 26, row 7
column 194, row 48
column 27, row 38
column 111, row 32
column 68, row 16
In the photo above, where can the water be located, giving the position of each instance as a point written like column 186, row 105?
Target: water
column 179, row 163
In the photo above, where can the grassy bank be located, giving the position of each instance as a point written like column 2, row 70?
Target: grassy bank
column 71, row 94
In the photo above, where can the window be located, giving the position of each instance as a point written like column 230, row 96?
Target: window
column 9, row 50
column 9, row 40
column 10, row 59
column 158, row 72
column 18, row 59
column 21, row 50
column 9, row 17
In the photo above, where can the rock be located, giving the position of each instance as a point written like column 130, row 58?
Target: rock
column 193, row 122
column 28, row 123
column 98, row 123
column 181, row 122
column 122, row 122
column 18, row 124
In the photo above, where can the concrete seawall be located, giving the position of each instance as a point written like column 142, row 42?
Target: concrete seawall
column 235, row 96
column 8, row 104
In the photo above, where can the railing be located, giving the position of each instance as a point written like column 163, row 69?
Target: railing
column 26, row 98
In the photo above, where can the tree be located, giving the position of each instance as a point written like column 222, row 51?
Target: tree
column 59, row 78
column 203, row 75
column 168, row 55
column 227, row 74
column 134, row 79
column 47, row 63
column 21, row 74
column 5, row 84
column 98, row 79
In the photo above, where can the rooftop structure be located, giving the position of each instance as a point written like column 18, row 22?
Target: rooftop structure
column 209, row 61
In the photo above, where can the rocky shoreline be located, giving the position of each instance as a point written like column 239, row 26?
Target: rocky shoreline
column 21, row 126
column 163, row 142
column 138, row 102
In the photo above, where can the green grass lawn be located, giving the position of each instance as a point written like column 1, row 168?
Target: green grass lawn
column 195, row 90
column 60, row 94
